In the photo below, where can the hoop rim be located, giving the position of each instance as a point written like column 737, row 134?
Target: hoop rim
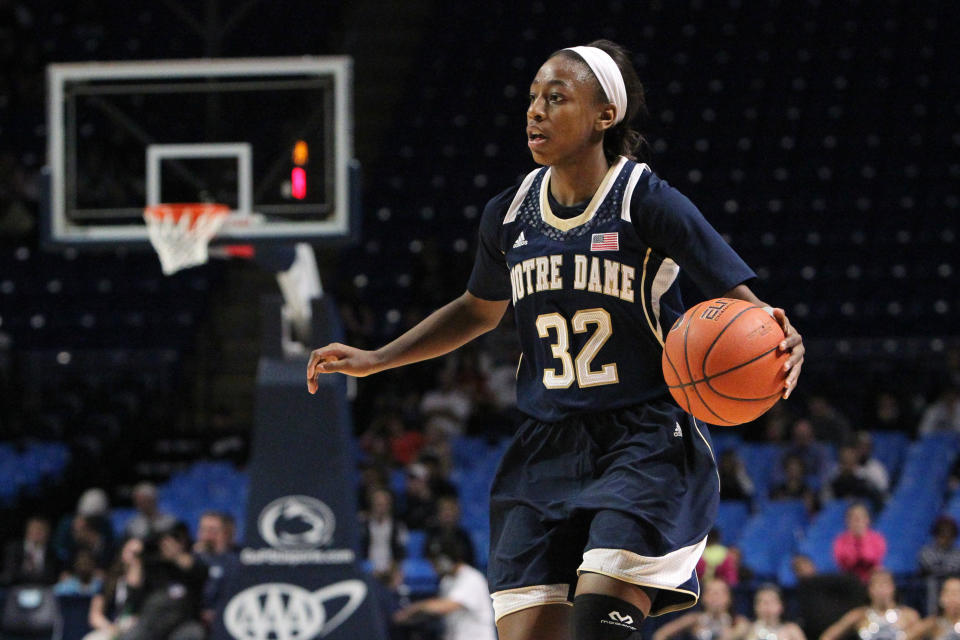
column 180, row 209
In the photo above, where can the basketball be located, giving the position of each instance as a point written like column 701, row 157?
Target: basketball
column 721, row 361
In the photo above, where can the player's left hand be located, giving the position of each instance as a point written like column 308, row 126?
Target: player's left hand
column 793, row 343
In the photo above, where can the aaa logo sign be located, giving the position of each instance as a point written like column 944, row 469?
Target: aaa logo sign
column 279, row 611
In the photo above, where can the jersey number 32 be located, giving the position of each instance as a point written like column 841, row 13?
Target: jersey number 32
column 579, row 367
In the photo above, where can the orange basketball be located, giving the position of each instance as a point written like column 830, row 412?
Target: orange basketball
column 721, row 361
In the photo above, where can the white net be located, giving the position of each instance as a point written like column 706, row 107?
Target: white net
column 181, row 233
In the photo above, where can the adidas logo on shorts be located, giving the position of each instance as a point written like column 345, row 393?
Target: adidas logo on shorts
column 677, row 431
column 521, row 241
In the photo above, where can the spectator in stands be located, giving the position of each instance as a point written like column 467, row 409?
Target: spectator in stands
column 32, row 559
column 214, row 550
column 173, row 580
column 717, row 620
column 83, row 579
column 420, row 503
column 829, row 425
column 85, row 535
column 804, row 445
column 383, row 537
column 446, row 523
column 405, row 444
column 939, row 558
column 718, row 561
column 735, row 483
column 768, row 609
column 450, row 401
column 114, row 610
column 438, row 473
column 821, row 599
column 871, row 469
column 849, row 481
column 149, row 520
column 463, row 598
column 943, row 414
column 794, row 485
column 95, row 507
column 945, row 626
column 888, row 415
column 859, row 550
column 882, row 618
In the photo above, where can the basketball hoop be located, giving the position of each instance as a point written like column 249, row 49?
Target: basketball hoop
column 181, row 232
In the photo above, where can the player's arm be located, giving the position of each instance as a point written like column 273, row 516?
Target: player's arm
column 676, row 627
column 794, row 632
column 792, row 340
column 839, row 628
column 447, row 328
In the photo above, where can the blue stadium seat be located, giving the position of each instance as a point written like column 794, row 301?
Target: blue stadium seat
column 732, row 516
column 418, row 574
column 416, row 538
column 772, row 534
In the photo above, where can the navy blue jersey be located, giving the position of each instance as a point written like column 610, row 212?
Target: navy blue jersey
column 595, row 294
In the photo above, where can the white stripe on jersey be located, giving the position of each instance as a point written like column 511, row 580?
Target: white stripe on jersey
column 518, row 198
column 628, row 190
column 666, row 276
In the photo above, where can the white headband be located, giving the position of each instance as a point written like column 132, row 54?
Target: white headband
column 609, row 76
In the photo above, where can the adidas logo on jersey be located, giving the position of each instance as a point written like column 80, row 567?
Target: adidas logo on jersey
column 677, row 431
column 521, row 241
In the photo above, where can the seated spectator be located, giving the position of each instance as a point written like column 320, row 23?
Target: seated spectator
column 83, row 580
column 173, row 580
column 735, row 483
column 768, row 609
column 803, row 445
column 881, row 619
column 939, row 558
column 446, row 523
column 148, row 521
column 114, row 609
column 871, row 469
column 420, row 503
column 438, row 473
column 821, row 599
column 213, row 548
column 94, row 506
column 888, row 415
column 383, row 537
column 943, row 414
column 944, row 626
column 463, row 599
column 859, row 550
column 718, row 561
column 405, row 444
column 829, row 424
column 848, row 480
column 717, row 620
column 794, row 485
column 85, row 535
column 450, row 401
column 32, row 559
column 230, row 532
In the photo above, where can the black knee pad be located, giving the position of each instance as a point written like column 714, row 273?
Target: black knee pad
column 600, row 617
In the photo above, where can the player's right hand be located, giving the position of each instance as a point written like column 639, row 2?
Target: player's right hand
column 340, row 358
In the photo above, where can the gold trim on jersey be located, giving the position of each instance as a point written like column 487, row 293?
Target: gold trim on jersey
column 565, row 224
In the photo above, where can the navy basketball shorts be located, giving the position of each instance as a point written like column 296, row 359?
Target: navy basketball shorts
column 630, row 494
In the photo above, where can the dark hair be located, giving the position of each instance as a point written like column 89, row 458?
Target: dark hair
column 944, row 522
column 447, row 545
column 621, row 139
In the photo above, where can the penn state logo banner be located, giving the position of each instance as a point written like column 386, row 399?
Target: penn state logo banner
column 297, row 577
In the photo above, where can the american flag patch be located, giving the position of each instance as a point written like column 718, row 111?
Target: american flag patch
column 605, row 241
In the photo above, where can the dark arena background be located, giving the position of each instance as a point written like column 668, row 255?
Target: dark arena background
column 821, row 138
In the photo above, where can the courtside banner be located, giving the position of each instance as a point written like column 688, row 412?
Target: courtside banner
column 298, row 577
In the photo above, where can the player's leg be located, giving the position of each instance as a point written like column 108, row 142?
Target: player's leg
column 605, row 608
column 545, row 622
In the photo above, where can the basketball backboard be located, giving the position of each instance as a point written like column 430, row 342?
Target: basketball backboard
column 269, row 137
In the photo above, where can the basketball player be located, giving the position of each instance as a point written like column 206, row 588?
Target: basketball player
column 607, row 492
